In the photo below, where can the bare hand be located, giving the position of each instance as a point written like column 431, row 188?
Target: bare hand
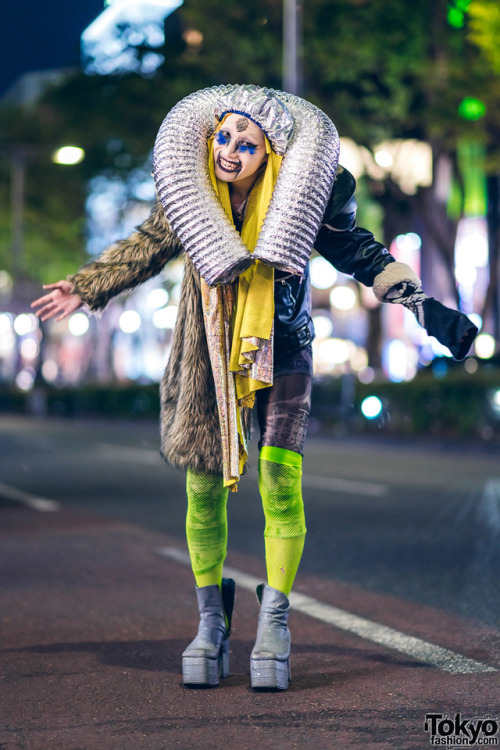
column 61, row 302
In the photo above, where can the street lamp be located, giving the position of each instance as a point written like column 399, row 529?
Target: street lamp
column 19, row 158
column 292, row 46
column 68, row 155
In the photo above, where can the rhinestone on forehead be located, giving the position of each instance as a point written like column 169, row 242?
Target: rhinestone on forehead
column 242, row 124
column 264, row 108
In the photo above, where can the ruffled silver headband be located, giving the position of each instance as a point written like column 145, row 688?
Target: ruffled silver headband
column 263, row 108
column 304, row 183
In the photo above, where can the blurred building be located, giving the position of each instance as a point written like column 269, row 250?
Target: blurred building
column 125, row 37
column 131, row 341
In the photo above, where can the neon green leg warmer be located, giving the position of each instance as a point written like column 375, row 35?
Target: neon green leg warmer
column 280, row 484
column 206, row 526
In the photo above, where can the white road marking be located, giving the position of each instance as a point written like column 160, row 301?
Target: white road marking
column 32, row 501
column 313, row 481
column 488, row 510
column 333, row 484
column 423, row 651
column 123, row 453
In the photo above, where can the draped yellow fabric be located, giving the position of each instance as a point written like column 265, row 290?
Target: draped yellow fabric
column 239, row 322
column 254, row 314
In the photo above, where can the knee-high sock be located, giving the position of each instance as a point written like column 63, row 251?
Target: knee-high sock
column 280, row 484
column 206, row 526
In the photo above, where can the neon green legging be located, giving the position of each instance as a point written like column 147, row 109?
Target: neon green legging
column 280, row 473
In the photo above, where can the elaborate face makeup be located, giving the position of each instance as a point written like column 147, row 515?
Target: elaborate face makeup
column 242, row 124
column 239, row 149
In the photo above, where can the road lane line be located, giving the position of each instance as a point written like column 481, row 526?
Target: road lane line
column 488, row 510
column 312, row 481
column 123, row 453
column 423, row 651
column 334, row 484
column 42, row 504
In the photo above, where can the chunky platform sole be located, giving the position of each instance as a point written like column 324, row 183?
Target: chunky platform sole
column 200, row 671
column 270, row 674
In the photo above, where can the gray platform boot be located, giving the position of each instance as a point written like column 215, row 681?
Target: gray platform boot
column 206, row 659
column 270, row 658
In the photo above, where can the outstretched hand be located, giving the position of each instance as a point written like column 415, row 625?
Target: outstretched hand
column 59, row 303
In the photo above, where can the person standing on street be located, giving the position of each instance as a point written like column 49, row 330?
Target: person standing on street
column 248, row 183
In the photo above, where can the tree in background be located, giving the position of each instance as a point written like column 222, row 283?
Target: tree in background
column 484, row 31
column 382, row 69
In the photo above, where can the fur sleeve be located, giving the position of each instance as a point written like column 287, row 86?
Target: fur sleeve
column 392, row 275
column 128, row 262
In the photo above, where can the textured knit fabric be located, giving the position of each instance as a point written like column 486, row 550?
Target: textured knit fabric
column 280, row 487
column 206, row 526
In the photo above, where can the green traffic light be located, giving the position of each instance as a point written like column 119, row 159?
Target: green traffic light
column 456, row 18
column 471, row 108
column 456, row 13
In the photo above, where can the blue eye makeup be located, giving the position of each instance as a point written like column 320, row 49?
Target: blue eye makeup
column 247, row 147
column 221, row 138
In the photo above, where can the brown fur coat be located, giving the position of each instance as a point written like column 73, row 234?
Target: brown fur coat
column 189, row 421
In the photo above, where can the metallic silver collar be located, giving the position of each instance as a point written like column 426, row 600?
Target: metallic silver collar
column 305, row 180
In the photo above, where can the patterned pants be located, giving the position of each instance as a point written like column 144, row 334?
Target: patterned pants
column 283, row 414
column 283, row 410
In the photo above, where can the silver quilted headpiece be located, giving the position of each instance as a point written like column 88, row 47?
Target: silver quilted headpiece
column 259, row 105
column 303, row 187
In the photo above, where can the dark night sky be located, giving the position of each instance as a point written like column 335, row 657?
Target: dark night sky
column 41, row 35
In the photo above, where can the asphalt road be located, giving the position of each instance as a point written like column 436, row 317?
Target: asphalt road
column 398, row 612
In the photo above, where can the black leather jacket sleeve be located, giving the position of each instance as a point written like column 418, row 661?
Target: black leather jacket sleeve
column 351, row 249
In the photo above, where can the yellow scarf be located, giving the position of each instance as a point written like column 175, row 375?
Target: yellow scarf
column 253, row 317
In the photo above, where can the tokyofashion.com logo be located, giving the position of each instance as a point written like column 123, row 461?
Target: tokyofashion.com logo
column 453, row 731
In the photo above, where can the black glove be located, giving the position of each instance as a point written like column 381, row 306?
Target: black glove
column 451, row 327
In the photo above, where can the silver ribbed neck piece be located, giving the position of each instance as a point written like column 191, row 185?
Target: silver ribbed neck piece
column 304, row 183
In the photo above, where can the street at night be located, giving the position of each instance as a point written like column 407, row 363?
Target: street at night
column 213, row 213
column 395, row 615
